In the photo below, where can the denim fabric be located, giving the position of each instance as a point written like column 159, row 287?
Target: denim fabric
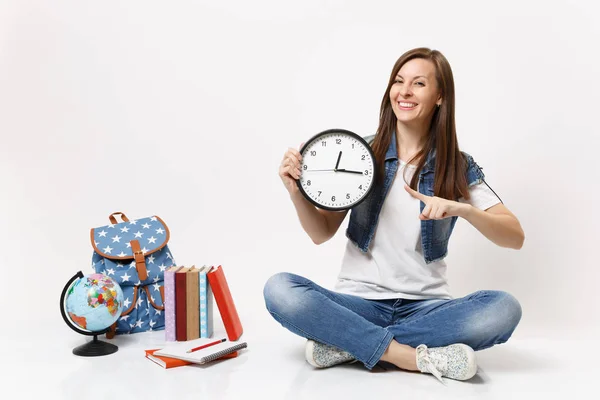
column 435, row 234
column 365, row 328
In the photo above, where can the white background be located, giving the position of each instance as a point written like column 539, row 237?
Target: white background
column 184, row 110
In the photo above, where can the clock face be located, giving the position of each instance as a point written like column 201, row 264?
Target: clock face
column 337, row 170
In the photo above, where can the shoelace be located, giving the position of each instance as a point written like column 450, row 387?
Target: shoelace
column 423, row 355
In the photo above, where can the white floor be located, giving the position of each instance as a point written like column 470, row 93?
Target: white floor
column 273, row 367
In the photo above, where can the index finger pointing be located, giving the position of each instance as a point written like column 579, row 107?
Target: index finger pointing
column 414, row 193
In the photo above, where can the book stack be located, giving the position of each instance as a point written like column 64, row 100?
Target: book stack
column 188, row 303
column 189, row 293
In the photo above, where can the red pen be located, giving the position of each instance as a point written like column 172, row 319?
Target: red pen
column 206, row 345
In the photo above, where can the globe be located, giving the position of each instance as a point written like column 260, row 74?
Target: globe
column 90, row 304
column 94, row 302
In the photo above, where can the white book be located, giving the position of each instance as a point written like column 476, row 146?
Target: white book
column 221, row 348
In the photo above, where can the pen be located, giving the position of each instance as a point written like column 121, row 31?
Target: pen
column 206, row 345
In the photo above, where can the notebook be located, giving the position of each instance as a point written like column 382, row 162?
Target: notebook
column 165, row 362
column 168, row 362
column 179, row 350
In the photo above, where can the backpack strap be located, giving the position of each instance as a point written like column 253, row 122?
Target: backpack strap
column 113, row 220
column 111, row 331
column 152, row 302
column 140, row 262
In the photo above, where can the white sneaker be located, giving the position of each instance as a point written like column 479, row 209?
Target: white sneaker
column 321, row 355
column 456, row 361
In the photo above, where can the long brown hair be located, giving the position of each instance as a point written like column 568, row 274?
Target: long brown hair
column 450, row 165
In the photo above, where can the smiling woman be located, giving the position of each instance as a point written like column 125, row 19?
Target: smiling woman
column 419, row 106
column 392, row 300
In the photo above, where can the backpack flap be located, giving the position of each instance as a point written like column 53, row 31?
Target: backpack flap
column 131, row 241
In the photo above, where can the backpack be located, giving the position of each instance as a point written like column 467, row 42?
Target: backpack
column 135, row 254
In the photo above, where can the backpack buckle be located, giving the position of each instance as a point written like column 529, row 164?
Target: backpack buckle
column 140, row 262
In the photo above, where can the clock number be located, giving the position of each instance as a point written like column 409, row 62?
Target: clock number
column 314, row 153
column 366, row 172
column 308, row 182
column 362, row 157
column 352, row 145
column 319, row 193
column 360, row 187
column 338, row 141
column 305, row 167
column 347, row 195
column 324, row 143
column 332, row 198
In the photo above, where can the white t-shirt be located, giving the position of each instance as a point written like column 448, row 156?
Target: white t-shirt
column 394, row 266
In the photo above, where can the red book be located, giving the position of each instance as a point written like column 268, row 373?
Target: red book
column 224, row 300
column 165, row 362
column 180, row 305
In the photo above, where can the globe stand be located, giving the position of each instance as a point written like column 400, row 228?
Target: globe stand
column 95, row 347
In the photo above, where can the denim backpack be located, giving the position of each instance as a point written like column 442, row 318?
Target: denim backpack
column 135, row 254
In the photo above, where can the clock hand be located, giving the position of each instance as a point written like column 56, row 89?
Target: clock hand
column 334, row 170
column 349, row 171
column 338, row 161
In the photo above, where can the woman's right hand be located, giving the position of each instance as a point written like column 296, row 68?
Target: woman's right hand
column 289, row 170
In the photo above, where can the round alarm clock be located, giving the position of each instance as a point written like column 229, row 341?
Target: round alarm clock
column 337, row 170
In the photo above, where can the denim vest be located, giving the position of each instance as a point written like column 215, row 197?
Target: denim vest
column 435, row 234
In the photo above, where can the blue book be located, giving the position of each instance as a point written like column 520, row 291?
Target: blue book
column 206, row 304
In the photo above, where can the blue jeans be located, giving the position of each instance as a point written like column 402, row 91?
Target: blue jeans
column 365, row 328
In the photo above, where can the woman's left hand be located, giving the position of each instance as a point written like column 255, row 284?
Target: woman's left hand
column 437, row 207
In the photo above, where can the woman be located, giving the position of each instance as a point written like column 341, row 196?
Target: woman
column 391, row 301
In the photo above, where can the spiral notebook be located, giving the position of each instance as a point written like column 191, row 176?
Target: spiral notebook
column 168, row 362
column 179, row 350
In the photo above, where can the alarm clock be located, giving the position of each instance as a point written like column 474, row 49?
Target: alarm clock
column 337, row 171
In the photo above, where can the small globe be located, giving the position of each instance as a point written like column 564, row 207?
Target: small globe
column 94, row 302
